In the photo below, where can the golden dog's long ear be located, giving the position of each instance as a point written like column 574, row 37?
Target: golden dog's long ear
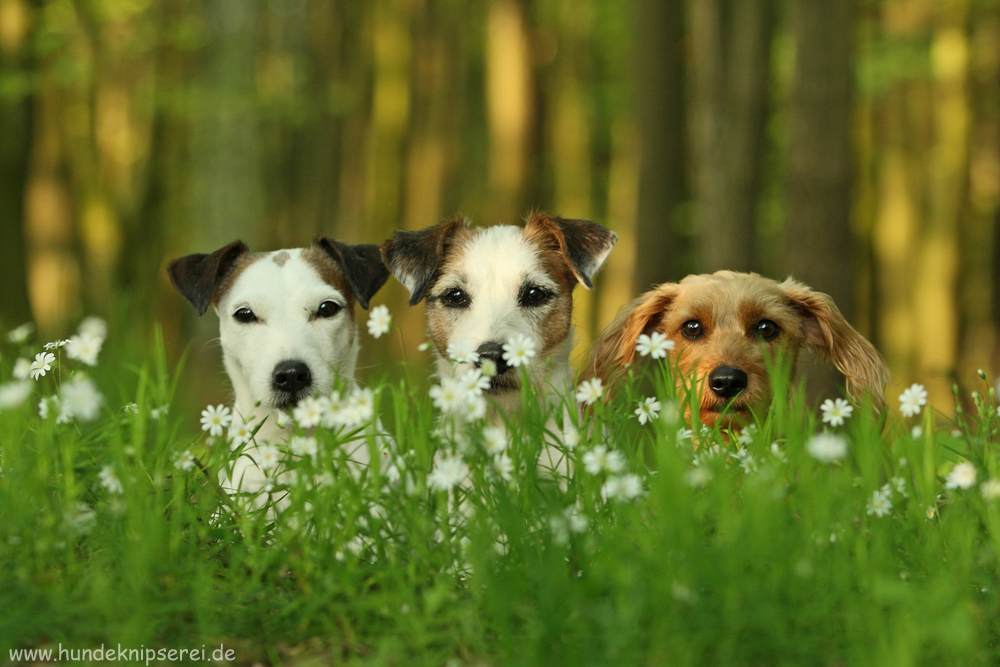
column 583, row 245
column 198, row 277
column 415, row 257
column 615, row 347
column 827, row 331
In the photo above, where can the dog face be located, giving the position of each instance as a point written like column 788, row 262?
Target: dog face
column 727, row 326
column 286, row 318
column 485, row 286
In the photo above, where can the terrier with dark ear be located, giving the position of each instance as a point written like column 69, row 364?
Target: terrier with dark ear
column 724, row 326
column 286, row 322
column 484, row 286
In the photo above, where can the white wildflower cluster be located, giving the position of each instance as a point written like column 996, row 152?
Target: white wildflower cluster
column 962, row 477
column 449, row 471
column 881, row 502
column 495, row 441
column 571, row 521
column 78, row 400
column 462, row 396
column 745, row 460
column 337, row 410
column 618, row 485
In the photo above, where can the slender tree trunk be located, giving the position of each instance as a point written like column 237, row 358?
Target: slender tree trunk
column 662, row 128
column 16, row 123
column 819, row 246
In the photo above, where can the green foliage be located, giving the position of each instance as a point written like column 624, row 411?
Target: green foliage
column 740, row 548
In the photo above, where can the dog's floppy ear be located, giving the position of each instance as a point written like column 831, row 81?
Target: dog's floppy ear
column 583, row 244
column 362, row 266
column 827, row 331
column 615, row 347
column 198, row 276
column 415, row 257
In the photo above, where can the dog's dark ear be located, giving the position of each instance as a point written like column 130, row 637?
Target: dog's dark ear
column 198, row 276
column 362, row 266
column 582, row 243
column 614, row 349
column 415, row 257
column 828, row 332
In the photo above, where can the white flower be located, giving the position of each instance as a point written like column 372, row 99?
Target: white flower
column 82, row 520
column 93, row 326
column 518, row 351
column 912, row 400
column 570, row 436
column 475, row 408
column 379, row 320
column 488, row 368
column 363, row 403
column 655, row 345
column 684, row 434
column 55, row 345
column 303, row 446
column 880, row 504
column 13, row 394
column 131, row 408
column 698, row 476
column 215, row 419
column 267, row 456
column 599, row 458
column 590, row 391
column 449, row 396
column 184, row 460
column 84, row 348
column 41, row 365
column 746, row 460
column 423, row 347
column 109, row 480
column 79, row 399
column 22, row 369
column 778, row 452
column 158, row 413
column 462, row 353
column 990, row 489
column 962, row 476
column 836, row 411
column 899, row 486
column 503, row 466
column 21, row 334
column 240, row 432
column 621, row 488
column 474, row 382
column 826, row 447
column 45, row 403
column 310, row 411
column 747, row 435
column 448, row 471
column 495, row 439
column 648, row 410
column 917, row 432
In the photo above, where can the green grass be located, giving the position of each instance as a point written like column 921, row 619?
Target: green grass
column 766, row 556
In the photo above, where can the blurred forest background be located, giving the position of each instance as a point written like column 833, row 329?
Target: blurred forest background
column 854, row 144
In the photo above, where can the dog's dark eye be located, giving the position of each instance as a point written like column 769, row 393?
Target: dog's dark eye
column 532, row 296
column 692, row 329
column 767, row 330
column 245, row 316
column 328, row 309
column 455, row 298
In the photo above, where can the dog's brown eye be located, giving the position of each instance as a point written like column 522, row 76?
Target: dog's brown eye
column 532, row 296
column 767, row 329
column 328, row 309
column 692, row 329
column 245, row 316
column 455, row 298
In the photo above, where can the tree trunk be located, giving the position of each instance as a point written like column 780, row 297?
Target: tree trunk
column 16, row 122
column 662, row 128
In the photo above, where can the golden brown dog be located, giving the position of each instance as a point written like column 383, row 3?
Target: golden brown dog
column 726, row 325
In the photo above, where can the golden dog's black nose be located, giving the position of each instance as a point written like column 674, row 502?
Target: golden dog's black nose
column 726, row 382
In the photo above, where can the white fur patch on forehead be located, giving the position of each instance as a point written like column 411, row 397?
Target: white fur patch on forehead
column 499, row 254
column 286, row 280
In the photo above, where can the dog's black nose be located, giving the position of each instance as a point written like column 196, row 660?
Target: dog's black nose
column 727, row 382
column 494, row 352
column 291, row 377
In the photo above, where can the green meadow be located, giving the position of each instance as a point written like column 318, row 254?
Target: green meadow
column 656, row 543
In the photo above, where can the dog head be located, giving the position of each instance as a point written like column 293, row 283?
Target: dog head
column 484, row 286
column 286, row 318
column 726, row 326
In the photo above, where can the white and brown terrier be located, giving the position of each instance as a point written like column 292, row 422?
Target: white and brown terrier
column 726, row 326
column 286, row 324
column 485, row 285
